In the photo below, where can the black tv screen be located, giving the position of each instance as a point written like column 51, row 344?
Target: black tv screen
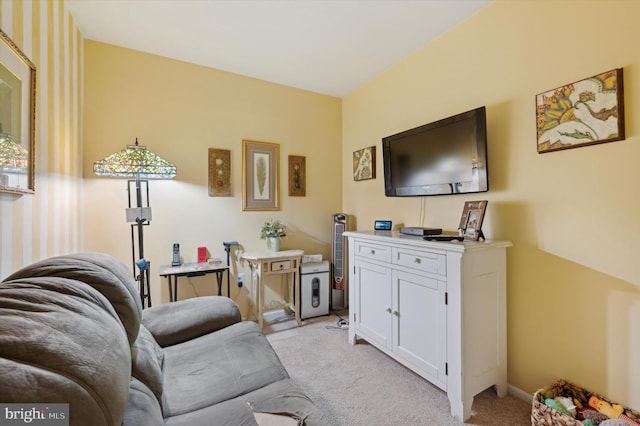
column 448, row 156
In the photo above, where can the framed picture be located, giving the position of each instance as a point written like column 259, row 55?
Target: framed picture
column 297, row 176
column 17, row 118
column 364, row 164
column 471, row 220
column 587, row 112
column 219, row 172
column 260, row 170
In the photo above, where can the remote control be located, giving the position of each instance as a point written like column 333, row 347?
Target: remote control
column 443, row 238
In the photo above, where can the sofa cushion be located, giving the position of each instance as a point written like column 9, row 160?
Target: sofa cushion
column 282, row 397
column 143, row 407
column 146, row 362
column 217, row 367
column 187, row 319
column 61, row 342
column 103, row 272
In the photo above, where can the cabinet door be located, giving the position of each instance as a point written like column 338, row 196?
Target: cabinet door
column 419, row 322
column 373, row 310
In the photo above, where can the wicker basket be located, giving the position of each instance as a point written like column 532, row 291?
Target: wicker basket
column 541, row 415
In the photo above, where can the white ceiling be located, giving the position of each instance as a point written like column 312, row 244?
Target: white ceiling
column 326, row 46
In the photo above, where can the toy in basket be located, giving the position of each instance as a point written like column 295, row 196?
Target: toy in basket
column 565, row 404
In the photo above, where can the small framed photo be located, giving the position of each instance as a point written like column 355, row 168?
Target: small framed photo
column 471, row 220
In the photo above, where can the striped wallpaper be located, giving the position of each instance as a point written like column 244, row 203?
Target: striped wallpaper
column 47, row 223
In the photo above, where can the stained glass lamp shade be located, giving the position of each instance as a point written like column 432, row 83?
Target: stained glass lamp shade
column 13, row 156
column 135, row 161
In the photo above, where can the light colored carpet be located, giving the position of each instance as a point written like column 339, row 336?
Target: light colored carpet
column 359, row 385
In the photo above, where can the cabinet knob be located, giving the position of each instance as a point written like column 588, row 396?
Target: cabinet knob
column 373, row 252
column 389, row 310
column 417, row 260
column 396, row 313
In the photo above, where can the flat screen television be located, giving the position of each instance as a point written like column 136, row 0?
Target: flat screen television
column 448, row 156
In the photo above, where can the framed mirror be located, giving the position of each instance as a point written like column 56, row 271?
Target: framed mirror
column 17, row 118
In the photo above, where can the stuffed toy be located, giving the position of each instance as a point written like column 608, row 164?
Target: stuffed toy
column 614, row 422
column 614, row 411
column 567, row 403
column 611, row 411
column 549, row 402
column 591, row 414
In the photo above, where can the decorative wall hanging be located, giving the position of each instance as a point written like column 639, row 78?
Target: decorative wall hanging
column 471, row 220
column 17, row 118
column 219, row 172
column 587, row 112
column 364, row 164
column 260, row 170
column 297, row 176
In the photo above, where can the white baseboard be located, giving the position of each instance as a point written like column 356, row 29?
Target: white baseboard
column 519, row 393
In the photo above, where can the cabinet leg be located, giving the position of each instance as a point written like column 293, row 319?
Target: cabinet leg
column 461, row 410
column 352, row 336
column 294, row 296
column 259, row 300
column 501, row 389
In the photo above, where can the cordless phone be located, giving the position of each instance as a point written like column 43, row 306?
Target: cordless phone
column 176, row 255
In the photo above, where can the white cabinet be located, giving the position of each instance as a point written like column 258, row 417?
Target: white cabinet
column 439, row 308
column 374, row 296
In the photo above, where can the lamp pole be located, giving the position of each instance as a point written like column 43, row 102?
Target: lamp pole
column 142, row 218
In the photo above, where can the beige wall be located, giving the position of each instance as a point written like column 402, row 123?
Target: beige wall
column 179, row 111
column 573, row 273
column 49, row 222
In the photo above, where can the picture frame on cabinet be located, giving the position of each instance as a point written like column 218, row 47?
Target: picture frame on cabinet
column 471, row 220
column 586, row 112
column 260, row 171
column 17, row 118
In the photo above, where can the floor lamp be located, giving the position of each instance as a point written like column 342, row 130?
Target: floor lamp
column 139, row 165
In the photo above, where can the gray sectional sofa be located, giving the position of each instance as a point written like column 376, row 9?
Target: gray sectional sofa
column 72, row 330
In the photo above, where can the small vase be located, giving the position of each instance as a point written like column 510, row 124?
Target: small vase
column 273, row 244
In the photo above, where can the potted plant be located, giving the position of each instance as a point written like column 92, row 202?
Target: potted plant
column 272, row 231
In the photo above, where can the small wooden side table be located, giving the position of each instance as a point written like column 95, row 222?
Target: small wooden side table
column 192, row 270
column 270, row 263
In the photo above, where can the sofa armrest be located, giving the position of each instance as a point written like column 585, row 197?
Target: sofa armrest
column 187, row 319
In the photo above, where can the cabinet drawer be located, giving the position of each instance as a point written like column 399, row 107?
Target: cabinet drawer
column 373, row 251
column 281, row 265
column 435, row 263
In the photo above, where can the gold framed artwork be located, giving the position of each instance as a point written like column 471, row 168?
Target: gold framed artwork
column 219, row 172
column 587, row 112
column 260, row 171
column 364, row 164
column 17, row 118
column 471, row 220
column 297, row 176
